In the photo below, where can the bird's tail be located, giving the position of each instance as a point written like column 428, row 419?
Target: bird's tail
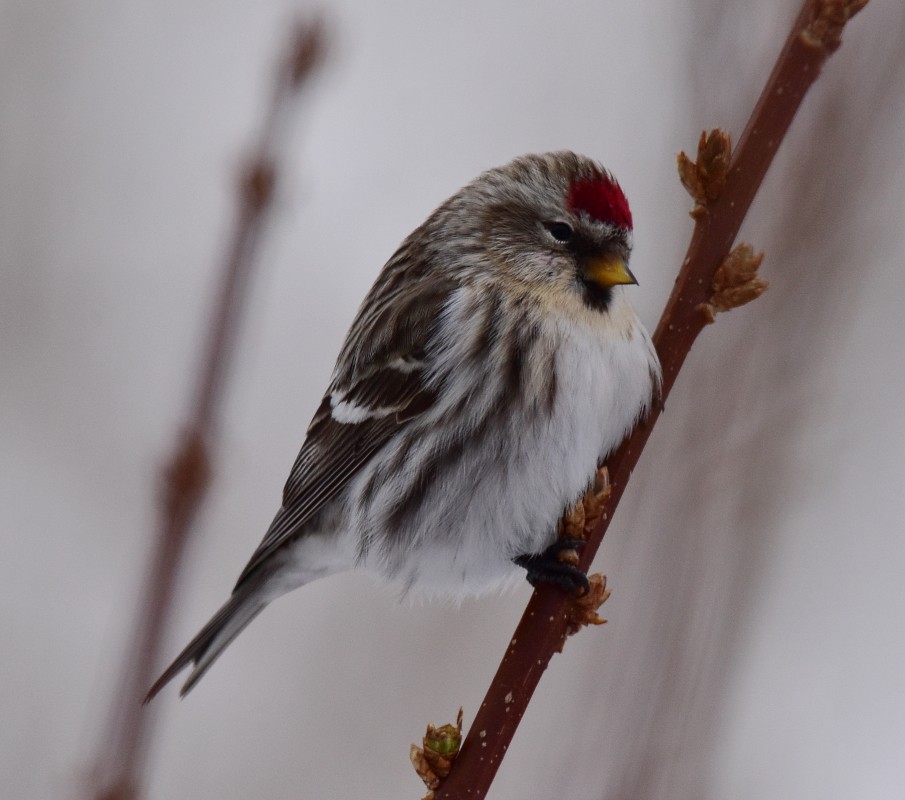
column 246, row 602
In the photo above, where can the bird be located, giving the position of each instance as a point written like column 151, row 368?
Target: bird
column 492, row 367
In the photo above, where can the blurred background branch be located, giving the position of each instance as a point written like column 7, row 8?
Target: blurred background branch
column 118, row 773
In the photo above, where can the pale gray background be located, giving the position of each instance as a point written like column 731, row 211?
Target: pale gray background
column 755, row 647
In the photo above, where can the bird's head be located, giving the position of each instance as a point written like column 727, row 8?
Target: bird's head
column 556, row 224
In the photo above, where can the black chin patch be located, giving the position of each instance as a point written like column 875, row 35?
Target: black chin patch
column 594, row 295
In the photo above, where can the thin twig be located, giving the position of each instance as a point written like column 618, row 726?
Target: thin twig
column 722, row 206
column 119, row 767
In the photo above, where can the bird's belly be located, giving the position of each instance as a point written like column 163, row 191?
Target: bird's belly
column 503, row 494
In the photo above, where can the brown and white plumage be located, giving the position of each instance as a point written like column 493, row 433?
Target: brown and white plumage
column 493, row 365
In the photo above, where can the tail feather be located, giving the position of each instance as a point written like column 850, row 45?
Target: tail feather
column 246, row 602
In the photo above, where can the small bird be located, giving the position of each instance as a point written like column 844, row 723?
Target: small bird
column 493, row 365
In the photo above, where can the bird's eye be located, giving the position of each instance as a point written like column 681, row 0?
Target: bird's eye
column 560, row 231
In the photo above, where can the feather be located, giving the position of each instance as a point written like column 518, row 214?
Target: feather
column 242, row 607
column 365, row 406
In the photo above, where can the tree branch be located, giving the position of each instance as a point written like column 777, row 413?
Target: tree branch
column 723, row 189
column 118, row 770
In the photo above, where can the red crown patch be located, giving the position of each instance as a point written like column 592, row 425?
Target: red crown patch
column 601, row 199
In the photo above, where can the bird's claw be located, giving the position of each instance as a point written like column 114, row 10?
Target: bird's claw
column 550, row 567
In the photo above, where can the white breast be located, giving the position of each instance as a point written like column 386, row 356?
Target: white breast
column 507, row 492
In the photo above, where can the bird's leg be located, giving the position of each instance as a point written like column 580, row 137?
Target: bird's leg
column 555, row 565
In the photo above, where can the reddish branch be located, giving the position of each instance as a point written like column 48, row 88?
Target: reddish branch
column 723, row 188
column 119, row 767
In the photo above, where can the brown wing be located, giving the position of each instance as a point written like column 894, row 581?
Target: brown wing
column 358, row 415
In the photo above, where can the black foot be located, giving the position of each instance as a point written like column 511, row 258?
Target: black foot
column 547, row 568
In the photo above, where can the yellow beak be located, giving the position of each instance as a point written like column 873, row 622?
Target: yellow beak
column 607, row 271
